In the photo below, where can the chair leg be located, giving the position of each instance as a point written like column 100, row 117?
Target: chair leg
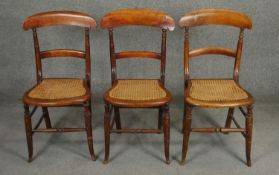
column 88, row 128
column 249, row 128
column 160, row 118
column 166, row 127
column 229, row 119
column 28, row 130
column 117, row 118
column 186, row 132
column 183, row 124
column 46, row 117
column 107, row 132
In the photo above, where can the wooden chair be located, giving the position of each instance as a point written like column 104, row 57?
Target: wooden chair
column 58, row 92
column 137, row 93
column 216, row 93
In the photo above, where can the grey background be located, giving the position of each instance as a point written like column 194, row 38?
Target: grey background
column 60, row 153
column 259, row 64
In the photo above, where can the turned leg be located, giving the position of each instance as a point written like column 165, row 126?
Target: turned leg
column 166, row 128
column 88, row 128
column 46, row 117
column 229, row 119
column 107, row 132
column 160, row 118
column 249, row 128
column 28, row 130
column 186, row 132
column 117, row 118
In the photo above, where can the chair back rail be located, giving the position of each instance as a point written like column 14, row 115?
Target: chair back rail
column 55, row 18
column 51, row 18
column 138, row 17
column 143, row 17
column 214, row 17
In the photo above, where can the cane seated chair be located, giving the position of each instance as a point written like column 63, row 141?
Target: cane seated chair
column 216, row 93
column 58, row 92
column 136, row 93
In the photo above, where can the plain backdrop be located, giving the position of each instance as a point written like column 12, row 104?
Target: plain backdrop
column 139, row 154
column 259, row 68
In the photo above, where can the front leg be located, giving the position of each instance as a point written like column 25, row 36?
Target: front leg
column 88, row 128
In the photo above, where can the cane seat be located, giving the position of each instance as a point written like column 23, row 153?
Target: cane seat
column 137, row 91
column 56, row 90
column 216, row 92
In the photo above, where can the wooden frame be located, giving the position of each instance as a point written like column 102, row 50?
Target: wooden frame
column 216, row 17
column 54, row 18
column 141, row 17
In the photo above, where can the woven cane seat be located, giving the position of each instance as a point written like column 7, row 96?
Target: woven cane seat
column 216, row 93
column 55, row 90
column 137, row 91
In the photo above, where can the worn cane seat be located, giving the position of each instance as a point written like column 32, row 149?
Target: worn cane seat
column 130, row 92
column 58, row 92
column 217, row 93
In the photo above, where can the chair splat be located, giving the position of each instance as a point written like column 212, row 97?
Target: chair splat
column 212, row 50
column 62, row 53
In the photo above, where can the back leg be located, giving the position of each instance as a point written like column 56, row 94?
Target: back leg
column 186, row 132
column 46, row 117
column 107, row 132
column 249, row 128
column 117, row 117
column 229, row 119
column 160, row 118
column 184, row 119
column 28, row 131
column 166, row 126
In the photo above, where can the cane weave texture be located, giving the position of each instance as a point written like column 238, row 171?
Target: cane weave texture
column 137, row 90
column 216, row 90
column 54, row 89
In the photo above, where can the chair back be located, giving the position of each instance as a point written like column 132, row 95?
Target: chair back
column 137, row 17
column 214, row 17
column 54, row 18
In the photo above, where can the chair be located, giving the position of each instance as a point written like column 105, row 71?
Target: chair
column 216, row 93
column 137, row 93
column 58, row 92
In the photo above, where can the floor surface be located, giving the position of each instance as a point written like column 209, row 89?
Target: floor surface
column 133, row 154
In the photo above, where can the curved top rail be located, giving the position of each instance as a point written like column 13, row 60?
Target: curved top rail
column 216, row 17
column 144, row 17
column 59, row 18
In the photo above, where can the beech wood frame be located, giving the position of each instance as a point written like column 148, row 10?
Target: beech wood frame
column 54, row 18
column 146, row 18
column 216, row 17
